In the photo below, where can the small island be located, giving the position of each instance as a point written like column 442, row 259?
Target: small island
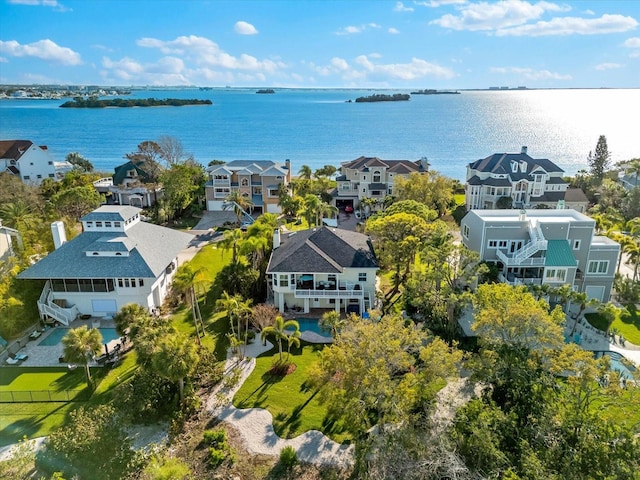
column 378, row 97
column 266, row 90
column 435, row 92
column 94, row 102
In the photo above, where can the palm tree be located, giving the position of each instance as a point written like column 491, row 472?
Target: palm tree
column 293, row 338
column 175, row 358
column 331, row 322
column 609, row 312
column 239, row 203
column 583, row 300
column 311, row 204
column 80, row 345
column 230, row 240
column 184, row 282
column 18, row 214
column 129, row 317
column 564, row 292
column 279, row 331
column 238, row 312
column 305, row 172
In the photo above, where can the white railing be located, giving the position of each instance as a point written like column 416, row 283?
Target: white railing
column 103, row 182
column 529, row 249
column 302, row 293
column 512, row 260
column 520, row 281
column 46, row 306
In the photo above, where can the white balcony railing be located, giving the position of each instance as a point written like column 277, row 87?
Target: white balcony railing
column 304, row 293
column 513, row 260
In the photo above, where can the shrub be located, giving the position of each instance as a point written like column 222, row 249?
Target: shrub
column 219, row 449
column 216, row 457
column 288, row 457
column 215, row 437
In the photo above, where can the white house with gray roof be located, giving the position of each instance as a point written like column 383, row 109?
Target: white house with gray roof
column 528, row 182
column 323, row 267
column 116, row 260
column 535, row 247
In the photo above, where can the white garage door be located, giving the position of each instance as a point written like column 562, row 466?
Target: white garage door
column 595, row 292
column 104, row 307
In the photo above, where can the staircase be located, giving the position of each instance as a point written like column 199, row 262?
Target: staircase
column 46, row 306
column 522, row 257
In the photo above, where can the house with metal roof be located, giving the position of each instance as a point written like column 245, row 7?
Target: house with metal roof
column 518, row 179
column 257, row 180
column 116, row 260
column 371, row 177
column 322, row 267
column 130, row 184
column 535, row 247
column 29, row 162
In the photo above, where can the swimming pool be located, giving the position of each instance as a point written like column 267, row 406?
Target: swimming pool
column 615, row 362
column 55, row 337
column 312, row 325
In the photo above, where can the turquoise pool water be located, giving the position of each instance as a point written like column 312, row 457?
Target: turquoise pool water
column 56, row 336
column 312, row 325
column 616, row 364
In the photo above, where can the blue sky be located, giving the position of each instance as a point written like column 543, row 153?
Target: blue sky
column 301, row 43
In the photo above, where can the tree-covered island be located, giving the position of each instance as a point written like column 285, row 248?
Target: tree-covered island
column 380, row 97
column 94, row 102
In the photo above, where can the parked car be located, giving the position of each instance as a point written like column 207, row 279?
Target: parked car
column 348, row 209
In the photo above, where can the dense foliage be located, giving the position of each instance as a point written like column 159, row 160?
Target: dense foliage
column 95, row 102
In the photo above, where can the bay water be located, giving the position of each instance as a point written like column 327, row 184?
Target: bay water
column 318, row 127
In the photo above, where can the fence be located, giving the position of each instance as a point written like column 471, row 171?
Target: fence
column 29, row 396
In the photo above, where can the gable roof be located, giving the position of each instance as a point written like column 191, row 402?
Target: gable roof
column 396, row 166
column 151, row 249
column 121, row 172
column 14, row 149
column 323, row 250
column 500, row 163
column 113, row 213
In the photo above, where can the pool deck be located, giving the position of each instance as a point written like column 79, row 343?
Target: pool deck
column 48, row 356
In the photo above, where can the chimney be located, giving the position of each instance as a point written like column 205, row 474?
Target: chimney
column 276, row 238
column 287, row 164
column 59, row 235
column 523, row 150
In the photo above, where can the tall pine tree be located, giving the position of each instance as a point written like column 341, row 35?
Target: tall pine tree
column 599, row 162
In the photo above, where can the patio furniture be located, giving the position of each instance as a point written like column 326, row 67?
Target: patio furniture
column 12, row 361
column 21, row 356
column 34, row 335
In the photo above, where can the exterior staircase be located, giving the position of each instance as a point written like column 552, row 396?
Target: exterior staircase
column 47, row 307
column 522, row 256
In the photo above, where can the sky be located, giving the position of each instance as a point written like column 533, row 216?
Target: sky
column 441, row 44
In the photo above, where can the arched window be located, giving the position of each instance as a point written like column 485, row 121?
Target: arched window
column 376, row 176
column 244, row 182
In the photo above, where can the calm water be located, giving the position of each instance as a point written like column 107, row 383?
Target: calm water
column 312, row 325
column 55, row 337
column 318, row 127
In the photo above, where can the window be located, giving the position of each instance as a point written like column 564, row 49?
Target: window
column 598, row 267
column 244, row 182
column 502, row 244
column 140, row 282
column 126, row 283
column 89, row 224
column 576, row 244
column 107, row 224
column 99, row 224
column 555, row 274
column 284, row 280
column 120, row 284
column 273, row 192
column 362, row 277
column 465, row 231
column 26, row 177
column 376, row 176
column 50, row 162
column 51, row 175
column 117, row 224
column 492, row 244
column 39, row 176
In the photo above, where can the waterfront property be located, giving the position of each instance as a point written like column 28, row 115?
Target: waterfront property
column 118, row 259
column 7, row 237
column 257, row 180
column 371, row 177
column 323, row 267
column 553, row 247
column 520, row 180
column 29, row 162
column 130, row 184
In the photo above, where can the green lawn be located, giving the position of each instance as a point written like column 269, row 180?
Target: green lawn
column 294, row 406
column 627, row 325
column 459, row 199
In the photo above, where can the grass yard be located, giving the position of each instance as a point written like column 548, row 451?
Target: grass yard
column 626, row 325
column 459, row 198
column 294, row 406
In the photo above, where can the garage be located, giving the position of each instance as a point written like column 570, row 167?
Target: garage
column 595, row 292
column 343, row 203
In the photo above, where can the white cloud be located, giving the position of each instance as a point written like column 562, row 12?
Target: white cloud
column 493, row 16
column 573, row 26
column 204, row 52
column 339, row 63
column 633, row 42
column 400, row 7
column 608, row 66
column 43, row 49
column 531, row 74
column 4, row 60
column 355, row 29
column 438, row 3
column 244, row 28
column 393, row 31
column 413, row 70
column 45, row 3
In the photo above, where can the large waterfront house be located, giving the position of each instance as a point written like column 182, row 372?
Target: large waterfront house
column 29, row 162
column 553, row 247
column 322, row 268
column 257, row 180
column 520, row 181
column 371, row 177
column 116, row 260
column 130, row 185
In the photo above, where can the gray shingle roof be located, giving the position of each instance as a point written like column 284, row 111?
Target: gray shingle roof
column 154, row 248
column 500, row 163
column 113, row 213
column 323, row 250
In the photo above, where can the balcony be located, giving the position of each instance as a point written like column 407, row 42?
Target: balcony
column 514, row 280
column 518, row 261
